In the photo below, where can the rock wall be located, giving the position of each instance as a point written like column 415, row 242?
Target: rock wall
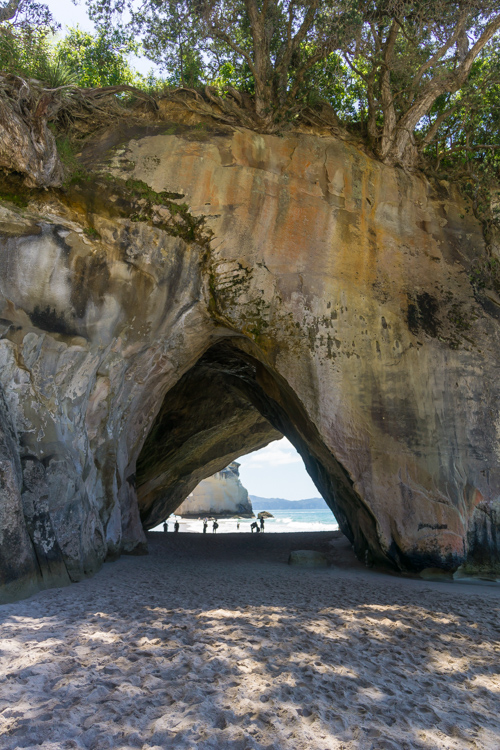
column 190, row 276
column 220, row 495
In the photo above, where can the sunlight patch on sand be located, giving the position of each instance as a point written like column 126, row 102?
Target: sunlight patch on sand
column 161, row 652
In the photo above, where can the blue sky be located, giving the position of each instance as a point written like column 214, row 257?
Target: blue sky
column 276, row 471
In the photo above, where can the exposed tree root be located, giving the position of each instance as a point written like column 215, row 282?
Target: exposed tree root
column 27, row 145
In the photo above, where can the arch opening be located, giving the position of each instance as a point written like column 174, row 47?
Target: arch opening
column 229, row 403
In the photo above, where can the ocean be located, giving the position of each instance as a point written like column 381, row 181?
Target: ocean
column 283, row 521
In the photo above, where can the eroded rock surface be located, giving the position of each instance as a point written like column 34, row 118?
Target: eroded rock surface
column 222, row 495
column 195, row 280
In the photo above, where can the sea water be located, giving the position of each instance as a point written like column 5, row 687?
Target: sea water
column 282, row 522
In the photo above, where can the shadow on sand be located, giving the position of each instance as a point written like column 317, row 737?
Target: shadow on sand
column 214, row 642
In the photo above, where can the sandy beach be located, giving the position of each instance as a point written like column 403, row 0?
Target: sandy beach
column 215, row 642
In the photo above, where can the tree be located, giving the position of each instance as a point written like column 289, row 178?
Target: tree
column 97, row 60
column 27, row 145
column 272, row 45
column 405, row 53
column 466, row 147
column 25, row 32
column 27, row 13
column 409, row 54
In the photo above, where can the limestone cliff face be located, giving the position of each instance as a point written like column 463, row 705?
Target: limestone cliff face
column 220, row 495
column 200, row 292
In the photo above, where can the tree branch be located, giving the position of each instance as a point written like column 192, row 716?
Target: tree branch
column 464, row 69
column 479, row 147
column 460, row 27
column 218, row 34
column 294, row 42
column 387, row 99
column 434, row 88
column 10, row 10
column 363, row 76
column 436, row 125
column 97, row 93
column 302, row 71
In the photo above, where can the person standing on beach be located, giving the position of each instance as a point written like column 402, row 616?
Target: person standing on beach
column 261, row 523
column 176, row 526
column 215, row 526
column 165, row 527
column 238, row 526
column 205, row 524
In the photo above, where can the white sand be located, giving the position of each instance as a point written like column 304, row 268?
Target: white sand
column 219, row 644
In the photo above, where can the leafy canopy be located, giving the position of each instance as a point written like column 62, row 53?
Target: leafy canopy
column 98, row 60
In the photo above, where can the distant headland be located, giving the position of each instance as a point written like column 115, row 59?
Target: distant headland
column 279, row 503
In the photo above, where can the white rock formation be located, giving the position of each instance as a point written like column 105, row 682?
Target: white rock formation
column 219, row 495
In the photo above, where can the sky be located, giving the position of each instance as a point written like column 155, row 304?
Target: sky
column 276, row 470
column 68, row 13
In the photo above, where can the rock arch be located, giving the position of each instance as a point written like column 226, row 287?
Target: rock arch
column 200, row 255
column 229, row 403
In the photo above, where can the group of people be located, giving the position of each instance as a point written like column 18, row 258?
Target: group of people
column 176, row 526
column 254, row 526
column 215, row 526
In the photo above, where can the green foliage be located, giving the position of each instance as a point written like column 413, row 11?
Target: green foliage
column 25, row 39
column 100, row 60
column 56, row 73
column 145, row 201
column 262, row 48
column 466, row 146
column 25, row 51
column 333, row 81
column 19, row 198
column 486, row 274
column 66, row 152
column 92, row 233
column 79, row 59
column 371, row 61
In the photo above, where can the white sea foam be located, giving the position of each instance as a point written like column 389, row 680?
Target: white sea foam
column 283, row 521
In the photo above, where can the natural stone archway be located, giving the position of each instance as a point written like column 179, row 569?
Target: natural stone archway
column 203, row 417
column 190, row 252
column 205, row 422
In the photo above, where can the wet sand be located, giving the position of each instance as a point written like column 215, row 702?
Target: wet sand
column 215, row 642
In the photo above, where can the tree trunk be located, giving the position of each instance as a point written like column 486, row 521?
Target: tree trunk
column 262, row 62
column 386, row 96
column 402, row 149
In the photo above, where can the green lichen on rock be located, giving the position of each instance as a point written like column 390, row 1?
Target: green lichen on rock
column 21, row 201
column 460, row 317
column 14, row 191
column 486, row 275
column 161, row 209
column 136, row 201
